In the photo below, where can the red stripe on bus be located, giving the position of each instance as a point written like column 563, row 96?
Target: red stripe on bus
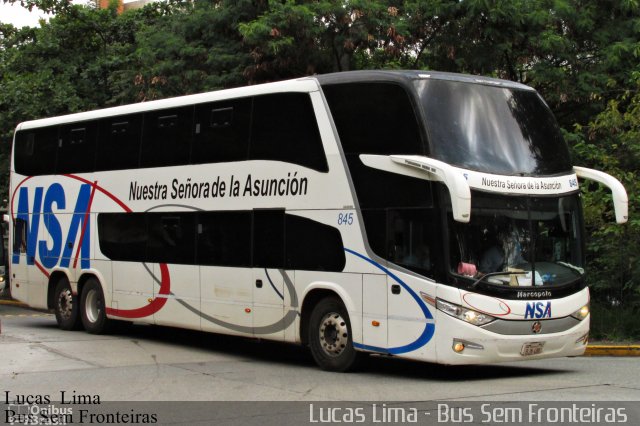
column 44, row 271
column 104, row 191
column 155, row 305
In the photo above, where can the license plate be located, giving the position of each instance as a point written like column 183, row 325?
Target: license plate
column 533, row 348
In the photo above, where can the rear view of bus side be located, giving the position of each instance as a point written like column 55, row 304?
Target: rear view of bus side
column 431, row 216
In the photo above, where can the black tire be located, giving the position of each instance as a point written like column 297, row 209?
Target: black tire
column 92, row 308
column 65, row 305
column 330, row 337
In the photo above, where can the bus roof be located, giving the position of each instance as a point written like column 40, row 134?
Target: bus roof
column 407, row 76
column 305, row 84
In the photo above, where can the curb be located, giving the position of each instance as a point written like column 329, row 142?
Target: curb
column 612, row 350
column 13, row 303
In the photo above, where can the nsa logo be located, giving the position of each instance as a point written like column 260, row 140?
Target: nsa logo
column 538, row 310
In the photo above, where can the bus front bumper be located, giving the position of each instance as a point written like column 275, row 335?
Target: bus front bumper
column 459, row 342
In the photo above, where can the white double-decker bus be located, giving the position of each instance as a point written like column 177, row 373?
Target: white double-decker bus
column 423, row 215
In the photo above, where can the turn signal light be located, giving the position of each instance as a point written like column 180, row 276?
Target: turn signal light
column 458, row 347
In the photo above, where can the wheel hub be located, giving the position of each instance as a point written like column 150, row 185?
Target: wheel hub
column 65, row 304
column 93, row 307
column 334, row 334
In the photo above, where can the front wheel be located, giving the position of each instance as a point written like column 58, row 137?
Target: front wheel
column 330, row 338
column 92, row 308
column 66, row 306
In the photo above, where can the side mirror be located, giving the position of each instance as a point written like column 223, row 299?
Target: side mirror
column 620, row 199
column 428, row 169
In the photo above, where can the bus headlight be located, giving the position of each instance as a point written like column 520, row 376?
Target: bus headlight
column 467, row 315
column 581, row 313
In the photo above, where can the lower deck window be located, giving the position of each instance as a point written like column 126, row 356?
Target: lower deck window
column 259, row 238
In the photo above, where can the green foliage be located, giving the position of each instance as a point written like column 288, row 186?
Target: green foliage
column 614, row 322
column 581, row 55
column 612, row 142
column 190, row 48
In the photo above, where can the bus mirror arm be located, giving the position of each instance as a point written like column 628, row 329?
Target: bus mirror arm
column 619, row 194
column 428, row 169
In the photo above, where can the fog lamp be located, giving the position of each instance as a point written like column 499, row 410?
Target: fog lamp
column 584, row 339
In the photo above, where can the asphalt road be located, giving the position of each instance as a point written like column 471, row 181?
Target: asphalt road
column 145, row 363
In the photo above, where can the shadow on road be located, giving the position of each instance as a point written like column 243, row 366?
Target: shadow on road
column 256, row 350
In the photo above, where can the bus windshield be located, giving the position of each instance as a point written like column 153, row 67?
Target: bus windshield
column 492, row 129
column 525, row 236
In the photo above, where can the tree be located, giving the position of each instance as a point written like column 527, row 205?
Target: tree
column 191, row 47
column 610, row 142
column 61, row 67
column 293, row 38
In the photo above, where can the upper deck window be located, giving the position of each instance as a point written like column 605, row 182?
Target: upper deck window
column 35, row 151
column 492, row 129
column 77, row 147
column 374, row 118
column 166, row 137
column 277, row 127
column 284, row 128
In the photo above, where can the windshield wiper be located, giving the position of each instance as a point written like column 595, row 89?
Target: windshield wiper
column 494, row 274
column 574, row 268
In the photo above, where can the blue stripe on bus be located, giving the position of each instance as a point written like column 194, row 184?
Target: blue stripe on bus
column 273, row 285
column 429, row 328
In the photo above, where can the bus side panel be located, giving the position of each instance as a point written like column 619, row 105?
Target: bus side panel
column 132, row 288
column 292, row 303
column 105, row 277
column 374, row 310
column 411, row 320
column 182, row 308
column 37, row 279
column 19, row 276
column 269, row 294
column 226, row 295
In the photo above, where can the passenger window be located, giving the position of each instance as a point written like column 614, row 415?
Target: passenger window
column 376, row 188
column 313, row 246
column 19, row 236
column 36, row 151
column 406, row 237
column 374, row 118
column 268, row 238
column 166, row 139
column 224, row 238
column 123, row 236
column 221, row 131
column 284, row 128
column 119, row 143
column 172, row 238
column 391, row 128
column 375, row 224
column 76, row 148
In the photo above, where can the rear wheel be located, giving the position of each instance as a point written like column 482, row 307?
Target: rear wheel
column 65, row 305
column 330, row 338
column 92, row 308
